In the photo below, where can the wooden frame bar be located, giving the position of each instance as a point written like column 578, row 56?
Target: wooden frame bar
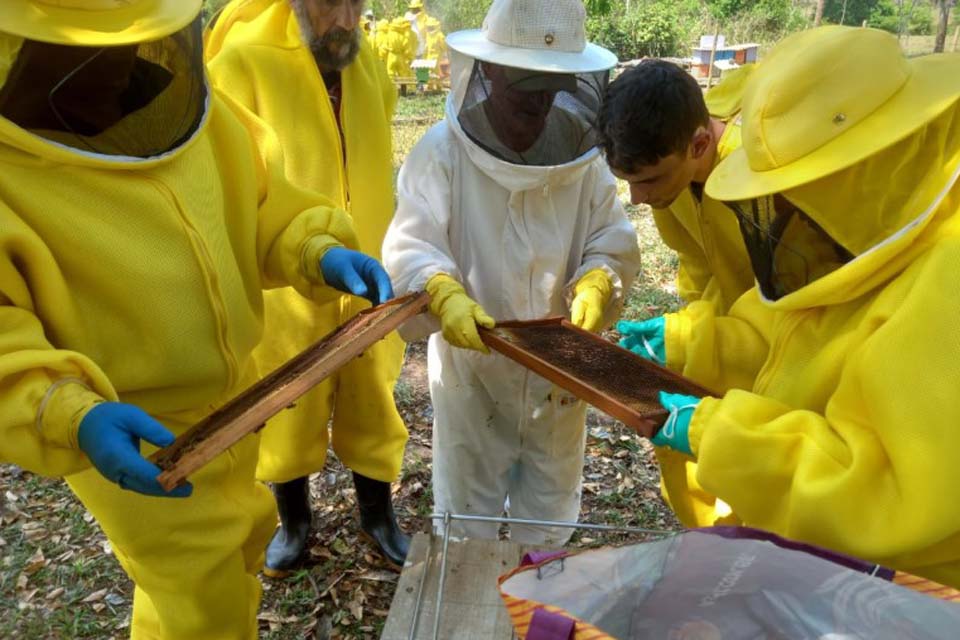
column 251, row 409
column 644, row 421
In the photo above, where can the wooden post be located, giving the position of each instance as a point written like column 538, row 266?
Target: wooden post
column 956, row 39
column 713, row 55
column 943, row 20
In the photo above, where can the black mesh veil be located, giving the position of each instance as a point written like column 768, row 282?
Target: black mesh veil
column 787, row 249
column 531, row 118
column 140, row 100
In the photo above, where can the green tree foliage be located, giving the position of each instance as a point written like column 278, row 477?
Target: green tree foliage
column 915, row 17
column 455, row 15
column 903, row 16
column 649, row 29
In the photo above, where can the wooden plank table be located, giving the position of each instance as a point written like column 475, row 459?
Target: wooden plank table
column 472, row 608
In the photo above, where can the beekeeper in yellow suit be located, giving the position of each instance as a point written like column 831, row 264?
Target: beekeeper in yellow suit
column 664, row 139
column 417, row 17
column 335, row 133
column 138, row 223
column 847, row 191
column 436, row 48
column 401, row 49
column 381, row 40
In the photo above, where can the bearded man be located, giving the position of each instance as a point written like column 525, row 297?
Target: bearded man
column 306, row 69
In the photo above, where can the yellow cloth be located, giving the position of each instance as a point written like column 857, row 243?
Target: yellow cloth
column 591, row 295
column 436, row 48
column 257, row 54
column 141, row 280
column 381, row 40
column 714, row 265
column 714, row 272
column 401, row 47
column 459, row 314
column 848, row 437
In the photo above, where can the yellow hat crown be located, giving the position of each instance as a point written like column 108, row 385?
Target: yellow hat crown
column 88, row 5
column 813, row 87
column 96, row 23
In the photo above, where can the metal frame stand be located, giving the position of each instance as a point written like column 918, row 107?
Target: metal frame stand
column 448, row 518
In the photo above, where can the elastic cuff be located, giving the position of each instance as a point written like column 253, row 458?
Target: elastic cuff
column 698, row 423
column 676, row 336
column 313, row 251
column 62, row 409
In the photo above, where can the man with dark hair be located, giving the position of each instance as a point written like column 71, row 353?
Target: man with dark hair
column 305, row 67
column 664, row 138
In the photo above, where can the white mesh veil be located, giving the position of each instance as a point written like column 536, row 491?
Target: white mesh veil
column 531, row 118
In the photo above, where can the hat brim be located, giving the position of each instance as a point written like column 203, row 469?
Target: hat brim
column 130, row 24
column 933, row 86
column 474, row 44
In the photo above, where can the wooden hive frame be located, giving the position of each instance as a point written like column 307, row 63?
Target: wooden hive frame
column 507, row 339
column 251, row 409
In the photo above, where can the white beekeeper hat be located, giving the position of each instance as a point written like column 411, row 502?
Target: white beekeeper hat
column 540, row 35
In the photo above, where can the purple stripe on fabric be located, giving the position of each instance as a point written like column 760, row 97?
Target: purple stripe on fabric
column 536, row 557
column 850, row 562
column 547, row 625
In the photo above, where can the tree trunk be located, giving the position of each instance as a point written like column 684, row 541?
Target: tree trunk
column 713, row 56
column 942, row 23
column 818, row 16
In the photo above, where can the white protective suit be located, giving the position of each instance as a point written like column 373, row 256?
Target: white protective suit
column 518, row 238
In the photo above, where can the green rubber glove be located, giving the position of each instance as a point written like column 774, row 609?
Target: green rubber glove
column 675, row 432
column 645, row 338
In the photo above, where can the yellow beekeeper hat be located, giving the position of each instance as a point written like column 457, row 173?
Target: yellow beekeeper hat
column 825, row 99
column 415, row 4
column 96, row 23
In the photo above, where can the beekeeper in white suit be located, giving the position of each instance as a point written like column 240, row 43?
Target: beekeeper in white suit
column 507, row 211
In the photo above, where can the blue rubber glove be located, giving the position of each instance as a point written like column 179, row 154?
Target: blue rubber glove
column 110, row 435
column 645, row 338
column 356, row 273
column 675, row 432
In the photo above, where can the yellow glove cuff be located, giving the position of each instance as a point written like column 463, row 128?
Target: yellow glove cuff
column 459, row 314
column 597, row 279
column 441, row 287
column 592, row 294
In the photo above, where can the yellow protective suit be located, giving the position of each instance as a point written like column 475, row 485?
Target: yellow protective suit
column 418, row 26
column 401, row 47
column 139, row 281
column 714, row 272
column 436, row 48
column 255, row 53
column 848, row 437
column 382, row 39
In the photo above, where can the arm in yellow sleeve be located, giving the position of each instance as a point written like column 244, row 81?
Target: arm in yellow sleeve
column 872, row 471
column 719, row 352
column 693, row 273
column 44, row 391
column 295, row 226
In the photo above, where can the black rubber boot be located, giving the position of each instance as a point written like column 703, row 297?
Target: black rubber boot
column 377, row 519
column 290, row 541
